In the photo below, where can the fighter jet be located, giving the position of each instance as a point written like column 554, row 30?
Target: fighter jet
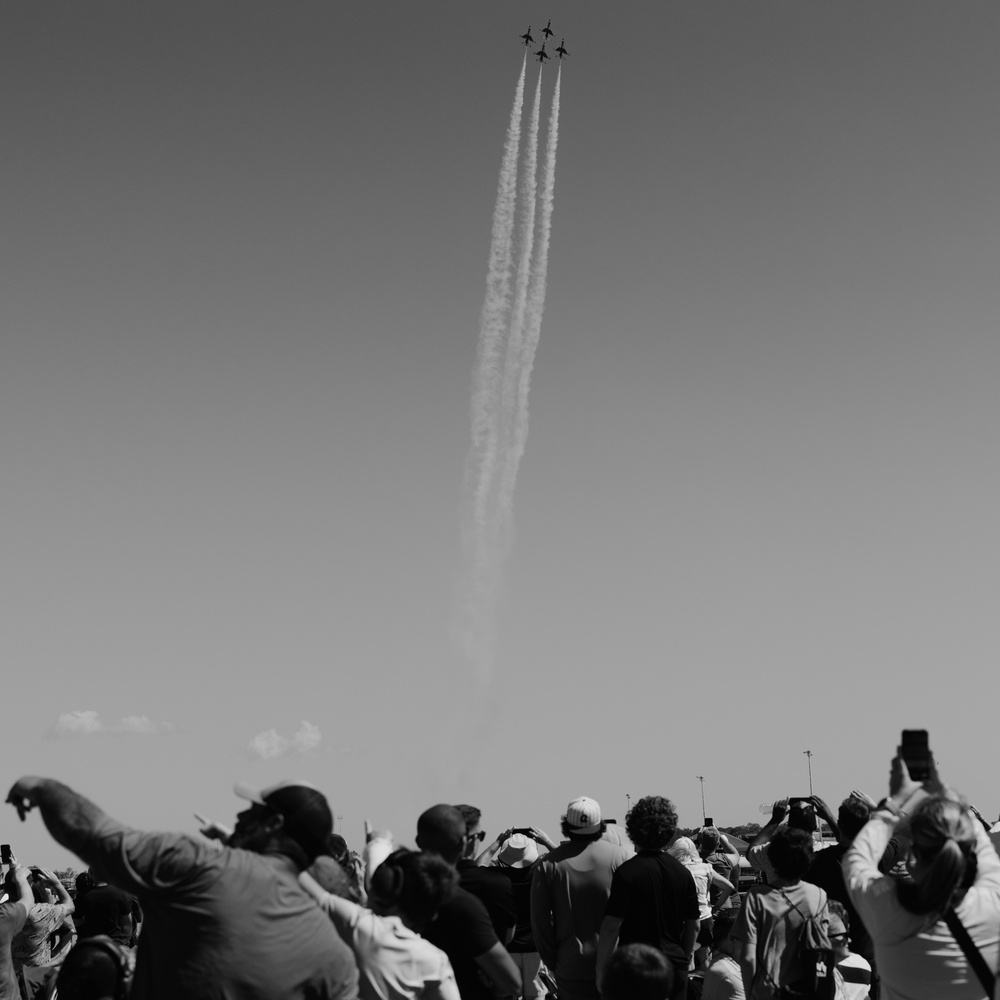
column 526, row 37
column 561, row 51
column 547, row 30
column 542, row 54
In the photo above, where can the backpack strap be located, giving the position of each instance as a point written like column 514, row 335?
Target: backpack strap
column 975, row 957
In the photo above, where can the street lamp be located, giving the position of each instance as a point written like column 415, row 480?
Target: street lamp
column 701, row 778
column 809, row 755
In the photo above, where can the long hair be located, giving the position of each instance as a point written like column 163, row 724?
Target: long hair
column 944, row 841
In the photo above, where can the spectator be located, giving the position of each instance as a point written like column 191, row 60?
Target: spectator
column 394, row 961
column 801, row 815
column 715, row 849
column 954, row 884
column 653, row 897
column 705, row 878
column 770, row 923
column 109, row 911
column 97, row 968
column 723, row 979
column 855, row 972
column 13, row 916
column 463, row 929
column 229, row 922
column 637, row 972
column 515, row 862
column 569, row 891
column 485, row 883
column 41, row 945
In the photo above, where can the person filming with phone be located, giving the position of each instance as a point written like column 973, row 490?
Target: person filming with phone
column 937, row 934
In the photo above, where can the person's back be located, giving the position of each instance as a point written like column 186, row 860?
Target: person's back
column 573, row 883
column 231, row 923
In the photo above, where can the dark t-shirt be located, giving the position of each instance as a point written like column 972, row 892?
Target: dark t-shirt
column 495, row 891
column 825, row 871
column 463, row 931
column 108, row 910
column 654, row 894
column 520, row 883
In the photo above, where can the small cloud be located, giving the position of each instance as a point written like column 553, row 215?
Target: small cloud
column 88, row 723
column 270, row 743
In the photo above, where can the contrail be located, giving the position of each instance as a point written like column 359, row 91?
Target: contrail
column 475, row 629
column 509, row 329
column 535, row 307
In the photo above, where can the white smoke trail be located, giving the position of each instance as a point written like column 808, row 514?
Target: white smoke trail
column 474, row 632
column 533, row 314
column 515, row 338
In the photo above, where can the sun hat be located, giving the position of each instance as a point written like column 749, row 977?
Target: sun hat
column 518, row 851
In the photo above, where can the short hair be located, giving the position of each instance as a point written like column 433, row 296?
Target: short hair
column 637, row 972
column 708, row 839
column 837, row 909
column 723, row 926
column 652, row 822
column 852, row 815
column 471, row 815
column 441, row 829
column 95, row 968
column 573, row 834
column 790, row 852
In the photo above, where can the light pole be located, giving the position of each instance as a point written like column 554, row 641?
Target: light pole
column 809, row 761
column 701, row 778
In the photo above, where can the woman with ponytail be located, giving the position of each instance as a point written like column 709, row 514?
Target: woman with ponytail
column 953, row 869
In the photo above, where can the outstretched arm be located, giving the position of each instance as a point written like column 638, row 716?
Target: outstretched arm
column 70, row 818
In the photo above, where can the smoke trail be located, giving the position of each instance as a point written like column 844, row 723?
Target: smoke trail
column 474, row 632
column 515, row 338
column 534, row 309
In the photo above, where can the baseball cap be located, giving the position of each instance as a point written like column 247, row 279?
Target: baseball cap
column 518, row 851
column 308, row 819
column 583, row 815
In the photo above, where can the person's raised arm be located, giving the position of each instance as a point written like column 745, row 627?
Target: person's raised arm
column 487, row 856
column 825, row 813
column 778, row 812
column 63, row 898
column 69, row 817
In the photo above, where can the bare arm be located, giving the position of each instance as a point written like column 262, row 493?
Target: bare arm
column 69, row 817
column 726, row 888
column 746, row 955
column 501, row 970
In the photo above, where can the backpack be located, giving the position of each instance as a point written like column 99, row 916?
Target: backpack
column 815, row 953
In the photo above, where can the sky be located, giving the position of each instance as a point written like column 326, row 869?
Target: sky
column 243, row 257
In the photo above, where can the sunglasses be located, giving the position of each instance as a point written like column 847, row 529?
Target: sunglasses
column 840, row 937
column 481, row 835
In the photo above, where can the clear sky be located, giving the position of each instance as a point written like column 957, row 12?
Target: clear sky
column 244, row 250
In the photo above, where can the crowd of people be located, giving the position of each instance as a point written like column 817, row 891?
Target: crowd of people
column 905, row 905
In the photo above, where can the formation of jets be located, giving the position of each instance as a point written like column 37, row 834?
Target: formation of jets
column 541, row 54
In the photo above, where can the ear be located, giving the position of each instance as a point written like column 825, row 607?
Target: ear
column 273, row 823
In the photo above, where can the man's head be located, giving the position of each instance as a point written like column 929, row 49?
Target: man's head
column 708, row 840
column 790, row 852
column 97, row 968
column 852, row 815
column 291, row 818
column 412, row 885
column 441, row 830
column 839, row 930
column 722, row 927
column 651, row 823
column 637, row 972
column 473, row 834
column 583, row 820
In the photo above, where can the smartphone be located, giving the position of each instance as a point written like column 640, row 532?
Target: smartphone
column 916, row 752
column 709, row 821
column 5, row 856
column 526, row 830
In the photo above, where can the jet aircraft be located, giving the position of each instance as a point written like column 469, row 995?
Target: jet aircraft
column 547, row 30
column 527, row 37
column 561, row 51
column 542, row 54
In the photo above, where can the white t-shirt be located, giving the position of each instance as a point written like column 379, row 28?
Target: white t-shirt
column 394, row 962
column 723, row 980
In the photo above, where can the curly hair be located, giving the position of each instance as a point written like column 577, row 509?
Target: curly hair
column 651, row 822
column 417, row 881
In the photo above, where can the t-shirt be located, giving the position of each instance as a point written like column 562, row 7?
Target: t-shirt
column 394, row 962
column 569, row 891
column 771, row 919
column 520, row 883
column 494, row 890
column 221, row 924
column 13, row 914
column 723, row 980
column 33, row 943
column 654, row 894
column 463, row 931
column 856, row 975
column 106, row 909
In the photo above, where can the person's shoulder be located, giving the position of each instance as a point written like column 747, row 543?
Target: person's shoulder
column 14, row 911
